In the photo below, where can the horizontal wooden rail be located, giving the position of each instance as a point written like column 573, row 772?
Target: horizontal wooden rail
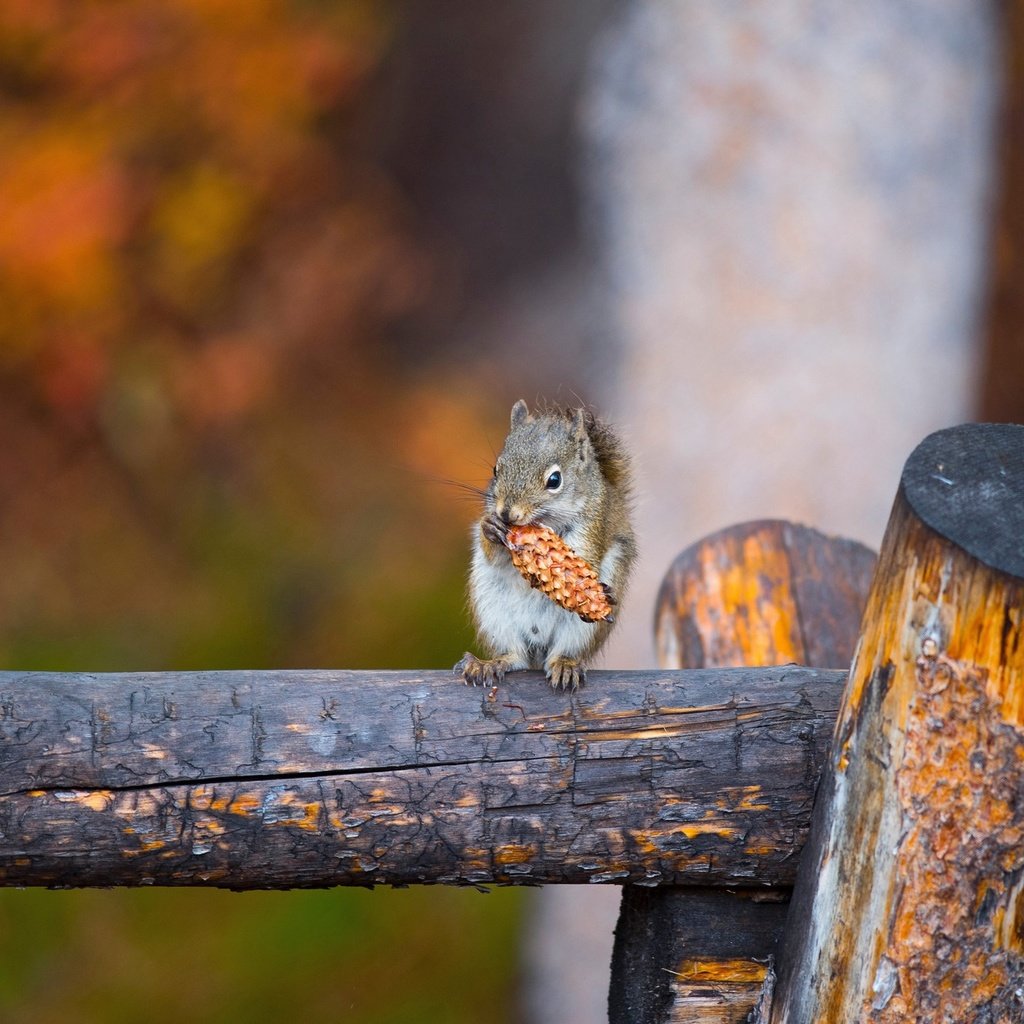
column 295, row 779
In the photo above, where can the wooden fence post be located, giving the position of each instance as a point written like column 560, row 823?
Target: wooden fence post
column 908, row 906
column 757, row 594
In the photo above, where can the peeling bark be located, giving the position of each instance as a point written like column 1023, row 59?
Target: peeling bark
column 956, row 916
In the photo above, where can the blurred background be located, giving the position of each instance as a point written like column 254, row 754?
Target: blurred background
column 272, row 273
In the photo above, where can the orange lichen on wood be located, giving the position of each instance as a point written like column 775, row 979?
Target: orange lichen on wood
column 145, row 846
column 704, row 828
column 949, row 954
column 95, row 799
column 547, row 563
column 235, row 803
column 746, row 798
column 513, row 853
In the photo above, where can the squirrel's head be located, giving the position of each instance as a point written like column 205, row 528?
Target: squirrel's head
column 548, row 470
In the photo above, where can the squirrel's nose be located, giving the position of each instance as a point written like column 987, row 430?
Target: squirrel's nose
column 503, row 515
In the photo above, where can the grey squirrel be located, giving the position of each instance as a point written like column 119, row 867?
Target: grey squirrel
column 568, row 471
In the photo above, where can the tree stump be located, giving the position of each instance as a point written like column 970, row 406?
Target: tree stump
column 908, row 906
column 757, row 594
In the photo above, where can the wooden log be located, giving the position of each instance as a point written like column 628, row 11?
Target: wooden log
column 692, row 954
column 763, row 593
column 760, row 593
column 288, row 779
column 909, row 902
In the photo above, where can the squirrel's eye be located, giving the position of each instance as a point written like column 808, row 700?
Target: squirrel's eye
column 495, row 471
column 554, row 480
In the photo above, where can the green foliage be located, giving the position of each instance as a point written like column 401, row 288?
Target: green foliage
column 415, row 956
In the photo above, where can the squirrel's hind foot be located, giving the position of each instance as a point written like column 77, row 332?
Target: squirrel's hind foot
column 565, row 674
column 476, row 672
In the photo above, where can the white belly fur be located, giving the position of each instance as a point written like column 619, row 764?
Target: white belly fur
column 516, row 620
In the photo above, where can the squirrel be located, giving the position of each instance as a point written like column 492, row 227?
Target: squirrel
column 568, row 471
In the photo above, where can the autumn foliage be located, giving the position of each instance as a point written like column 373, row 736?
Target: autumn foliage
column 209, row 459
column 199, row 255
column 169, row 197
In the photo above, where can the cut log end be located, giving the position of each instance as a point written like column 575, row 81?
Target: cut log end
column 967, row 484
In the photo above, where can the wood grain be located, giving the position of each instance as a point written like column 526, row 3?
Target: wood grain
column 692, row 954
column 291, row 779
column 909, row 905
column 759, row 593
column 763, row 593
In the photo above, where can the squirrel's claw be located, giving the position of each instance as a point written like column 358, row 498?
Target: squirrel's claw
column 565, row 674
column 609, row 593
column 475, row 672
column 495, row 530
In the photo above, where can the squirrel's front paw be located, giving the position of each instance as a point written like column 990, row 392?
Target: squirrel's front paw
column 495, row 530
column 475, row 672
column 565, row 674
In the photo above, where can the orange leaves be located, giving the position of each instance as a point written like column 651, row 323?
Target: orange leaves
column 225, row 380
column 170, row 168
column 63, row 212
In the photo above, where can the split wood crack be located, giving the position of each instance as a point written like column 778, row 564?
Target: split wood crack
column 283, row 779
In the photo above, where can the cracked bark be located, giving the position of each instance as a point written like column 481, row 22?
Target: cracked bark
column 908, row 903
column 293, row 779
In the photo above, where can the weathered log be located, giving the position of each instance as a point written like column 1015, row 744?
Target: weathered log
column 691, row 954
column 760, row 593
column 909, row 902
column 763, row 593
column 289, row 779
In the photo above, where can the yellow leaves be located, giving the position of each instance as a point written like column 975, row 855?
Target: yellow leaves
column 199, row 218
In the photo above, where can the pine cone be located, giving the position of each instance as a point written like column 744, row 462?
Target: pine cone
column 549, row 564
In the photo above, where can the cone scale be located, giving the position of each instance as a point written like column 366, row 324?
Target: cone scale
column 547, row 563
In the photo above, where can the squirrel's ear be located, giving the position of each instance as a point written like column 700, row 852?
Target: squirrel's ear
column 580, row 428
column 520, row 414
